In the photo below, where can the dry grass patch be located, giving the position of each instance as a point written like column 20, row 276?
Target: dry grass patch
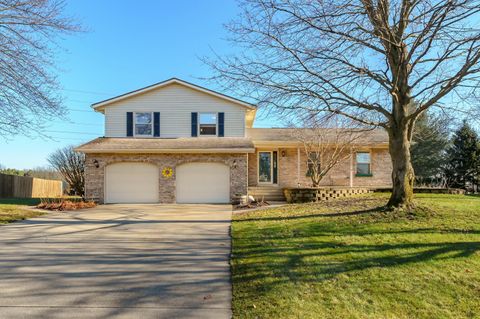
column 17, row 209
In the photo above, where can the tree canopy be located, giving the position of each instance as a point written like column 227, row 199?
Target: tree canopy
column 382, row 63
column 29, row 90
column 463, row 159
column 430, row 140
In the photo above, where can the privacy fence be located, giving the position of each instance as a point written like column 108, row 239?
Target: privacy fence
column 28, row 187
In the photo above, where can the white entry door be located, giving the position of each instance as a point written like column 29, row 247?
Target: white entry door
column 203, row 183
column 131, row 183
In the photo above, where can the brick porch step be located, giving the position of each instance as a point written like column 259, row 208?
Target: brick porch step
column 267, row 193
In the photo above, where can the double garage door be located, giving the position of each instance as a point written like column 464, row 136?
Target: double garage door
column 141, row 183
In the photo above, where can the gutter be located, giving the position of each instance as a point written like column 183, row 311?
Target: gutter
column 165, row 150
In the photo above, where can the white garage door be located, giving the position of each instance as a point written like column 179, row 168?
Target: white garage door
column 131, row 183
column 203, row 183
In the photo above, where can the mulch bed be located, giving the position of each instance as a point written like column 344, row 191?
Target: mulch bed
column 66, row 205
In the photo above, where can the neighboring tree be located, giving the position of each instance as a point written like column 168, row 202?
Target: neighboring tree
column 463, row 159
column 44, row 173
column 71, row 165
column 326, row 141
column 429, row 144
column 382, row 63
column 11, row 171
column 38, row 172
column 28, row 87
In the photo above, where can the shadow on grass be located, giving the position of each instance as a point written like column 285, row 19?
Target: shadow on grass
column 314, row 262
column 314, row 250
column 379, row 209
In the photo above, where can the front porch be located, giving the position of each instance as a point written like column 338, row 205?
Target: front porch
column 271, row 169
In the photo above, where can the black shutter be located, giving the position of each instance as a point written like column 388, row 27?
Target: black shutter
column 156, row 124
column 129, row 123
column 194, row 124
column 221, row 124
column 275, row 169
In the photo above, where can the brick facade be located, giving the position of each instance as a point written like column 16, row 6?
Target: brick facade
column 239, row 171
column 381, row 167
column 94, row 177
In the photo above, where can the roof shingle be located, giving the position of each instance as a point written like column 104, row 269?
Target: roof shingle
column 164, row 145
column 369, row 137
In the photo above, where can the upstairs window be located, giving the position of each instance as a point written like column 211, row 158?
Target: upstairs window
column 208, row 124
column 143, row 124
column 363, row 163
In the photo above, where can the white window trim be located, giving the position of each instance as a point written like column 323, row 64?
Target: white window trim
column 135, row 124
column 370, row 163
column 198, row 125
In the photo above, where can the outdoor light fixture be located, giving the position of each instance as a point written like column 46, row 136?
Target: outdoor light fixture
column 234, row 163
column 95, row 162
column 283, row 154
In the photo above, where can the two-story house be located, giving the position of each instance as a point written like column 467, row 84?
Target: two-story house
column 176, row 142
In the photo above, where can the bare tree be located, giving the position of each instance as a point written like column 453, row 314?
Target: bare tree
column 382, row 63
column 326, row 141
column 71, row 165
column 28, row 87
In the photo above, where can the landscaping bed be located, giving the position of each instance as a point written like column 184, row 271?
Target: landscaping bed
column 350, row 258
column 317, row 194
column 14, row 209
column 63, row 204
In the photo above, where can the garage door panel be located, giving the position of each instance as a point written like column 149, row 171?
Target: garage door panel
column 131, row 183
column 203, row 183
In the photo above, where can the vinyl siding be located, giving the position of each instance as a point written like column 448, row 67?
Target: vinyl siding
column 175, row 104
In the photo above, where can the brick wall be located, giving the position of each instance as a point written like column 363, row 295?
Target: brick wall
column 338, row 176
column 94, row 177
column 252, row 169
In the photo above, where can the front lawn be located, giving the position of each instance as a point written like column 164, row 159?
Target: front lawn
column 16, row 209
column 347, row 259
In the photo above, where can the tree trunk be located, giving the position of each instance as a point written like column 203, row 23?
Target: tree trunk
column 402, row 174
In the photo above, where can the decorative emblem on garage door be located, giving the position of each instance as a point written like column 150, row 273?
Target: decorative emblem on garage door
column 167, row 172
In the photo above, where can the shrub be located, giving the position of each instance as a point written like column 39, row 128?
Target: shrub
column 63, row 204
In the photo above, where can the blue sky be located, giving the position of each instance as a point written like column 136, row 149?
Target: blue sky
column 128, row 45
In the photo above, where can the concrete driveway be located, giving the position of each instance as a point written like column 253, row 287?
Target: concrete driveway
column 118, row 261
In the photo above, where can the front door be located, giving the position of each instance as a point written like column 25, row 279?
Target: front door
column 267, row 167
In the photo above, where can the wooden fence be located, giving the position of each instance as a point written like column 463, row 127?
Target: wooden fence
column 28, row 187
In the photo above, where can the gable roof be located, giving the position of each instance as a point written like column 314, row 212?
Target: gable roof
column 101, row 104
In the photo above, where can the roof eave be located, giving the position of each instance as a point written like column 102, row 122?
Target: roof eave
column 296, row 144
column 99, row 106
column 165, row 150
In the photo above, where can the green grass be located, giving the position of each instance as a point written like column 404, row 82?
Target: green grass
column 350, row 259
column 13, row 209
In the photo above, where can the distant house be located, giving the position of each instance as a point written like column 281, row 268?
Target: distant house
column 176, row 142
